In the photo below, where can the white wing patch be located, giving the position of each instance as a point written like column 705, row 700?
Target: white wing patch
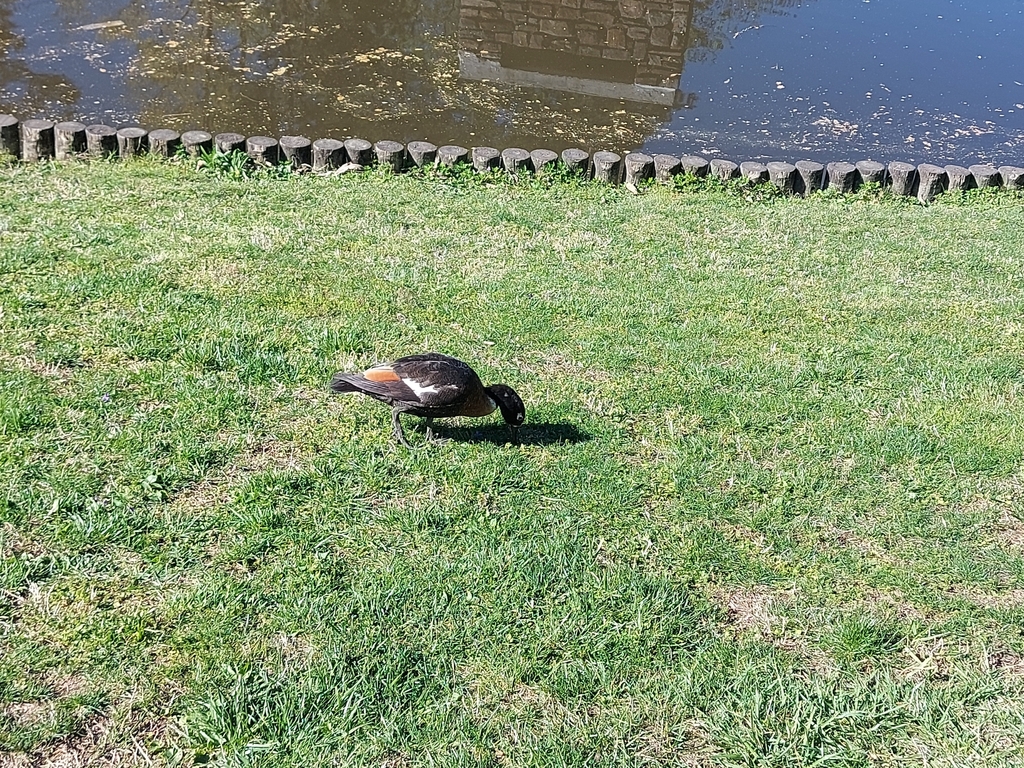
column 419, row 389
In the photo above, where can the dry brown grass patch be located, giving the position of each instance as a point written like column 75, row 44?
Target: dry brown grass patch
column 89, row 747
column 554, row 365
column 929, row 658
column 750, row 609
column 100, row 742
column 1003, row 505
column 1007, row 664
column 28, row 362
column 65, row 684
column 293, row 648
column 14, row 543
column 25, row 714
column 215, row 489
column 894, row 600
column 870, row 549
column 1010, row 530
column 655, row 744
column 1011, row 599
column 535, row 702
column 699, row 750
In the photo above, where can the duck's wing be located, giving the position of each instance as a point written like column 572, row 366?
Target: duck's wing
column 429, row 381
column 389, row 390
column 437, row 380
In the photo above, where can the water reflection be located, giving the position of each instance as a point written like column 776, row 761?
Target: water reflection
column 555, row 73
column 630, row 50
column 40, row 88
column 478, row 71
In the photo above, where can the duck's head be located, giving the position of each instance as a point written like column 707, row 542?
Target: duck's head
column 513, row 411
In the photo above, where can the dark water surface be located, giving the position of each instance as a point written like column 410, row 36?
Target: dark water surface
column 937, row 80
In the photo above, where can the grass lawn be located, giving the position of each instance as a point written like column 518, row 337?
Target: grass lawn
column 767, row 510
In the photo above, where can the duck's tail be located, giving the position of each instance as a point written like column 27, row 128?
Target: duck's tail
column 346, row 382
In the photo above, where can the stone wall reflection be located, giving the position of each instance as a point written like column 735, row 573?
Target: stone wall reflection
column 638, row 43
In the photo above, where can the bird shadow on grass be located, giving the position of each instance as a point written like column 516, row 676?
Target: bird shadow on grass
column 539, row 433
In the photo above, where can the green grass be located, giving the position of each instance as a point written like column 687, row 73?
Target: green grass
column 767, row 510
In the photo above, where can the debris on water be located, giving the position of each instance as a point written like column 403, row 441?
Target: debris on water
column 100, row 25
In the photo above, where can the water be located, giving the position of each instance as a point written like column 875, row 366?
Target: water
column 917, row 80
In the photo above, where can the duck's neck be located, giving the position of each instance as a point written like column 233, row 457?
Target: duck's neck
column 480, row 404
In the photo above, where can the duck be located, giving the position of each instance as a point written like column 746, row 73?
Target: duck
column 432, row 385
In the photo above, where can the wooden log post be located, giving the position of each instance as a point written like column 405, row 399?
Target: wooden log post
column 902, row 178
column 451, row 155
column 871, row 172
column 37, row 140
column 264, row 150
column 842, row 177
column 932, row 181
column 695, row 165
column 328, row 154
column 985, row 176
column 515, row 160
column 196, row 142
column 1012, row 176
column 226, row 143
column 666, row 168
column 100, row 141
column 390, row 154
column 422, row 153
column 958, row 179
column 68, row 140
column 577, row 162
column 10, row 136
column 485, row 159
column 543, row 160
column 812, row 176
column 724, row 169
column 164, row 142
column 784, row 176
column 607, row 167
column 754, row 172
column 639, row 168
column 359, row 151
column 297, row 150
column 131, row 141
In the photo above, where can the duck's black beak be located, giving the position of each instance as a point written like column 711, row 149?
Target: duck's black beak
column 513, row 432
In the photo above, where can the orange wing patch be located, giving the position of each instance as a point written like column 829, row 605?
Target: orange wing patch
column 384, row 373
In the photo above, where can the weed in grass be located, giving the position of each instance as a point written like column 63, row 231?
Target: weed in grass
column 235, row 165
column 745, row 189
column 861, row 637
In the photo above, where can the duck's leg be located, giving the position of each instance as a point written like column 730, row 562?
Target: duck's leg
column 396, row 427
column 430, row 433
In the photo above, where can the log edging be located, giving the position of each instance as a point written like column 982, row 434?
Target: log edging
column 37, row 140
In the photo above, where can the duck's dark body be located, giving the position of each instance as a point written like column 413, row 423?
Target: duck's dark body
column 432, row 386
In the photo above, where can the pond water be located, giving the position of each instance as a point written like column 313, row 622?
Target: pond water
column 935, row 80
